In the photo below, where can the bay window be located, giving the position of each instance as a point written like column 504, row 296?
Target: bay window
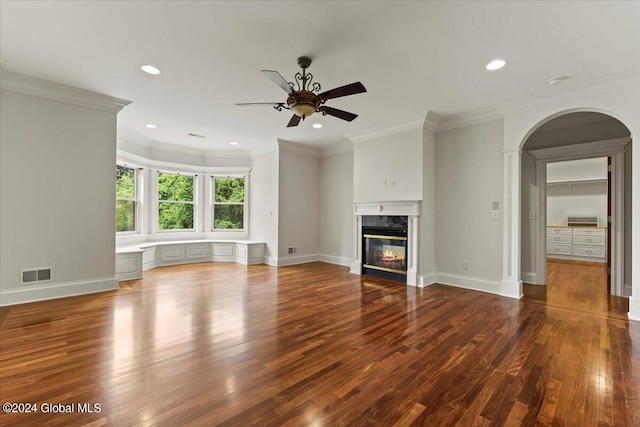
column 176, row 204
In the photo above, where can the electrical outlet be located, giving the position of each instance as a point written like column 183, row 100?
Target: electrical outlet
column 495, row 214
column 532, row 215
column 292, row 250
column 384, row 182
column 465, row 265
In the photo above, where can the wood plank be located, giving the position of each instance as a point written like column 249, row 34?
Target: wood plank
column 227, row 344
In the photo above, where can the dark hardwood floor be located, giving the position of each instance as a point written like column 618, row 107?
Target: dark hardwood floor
column 313, row 345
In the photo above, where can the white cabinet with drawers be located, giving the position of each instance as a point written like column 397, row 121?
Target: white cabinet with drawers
column 580, row 243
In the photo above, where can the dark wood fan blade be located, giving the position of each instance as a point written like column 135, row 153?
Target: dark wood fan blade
column 275, row 77
column 341, row 114
column 294, row 121
column 351, row 89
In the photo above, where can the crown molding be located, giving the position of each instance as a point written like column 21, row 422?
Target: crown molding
column 334, row 150
column 137, row 145
column 57, row 92
column 411, row 123
column 558, row 95
column 468, row 118
column 294, row 147
column 263, row 149
column 432, row 121
column 134, row 138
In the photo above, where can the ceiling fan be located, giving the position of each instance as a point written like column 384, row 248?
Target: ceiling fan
column 305, row 101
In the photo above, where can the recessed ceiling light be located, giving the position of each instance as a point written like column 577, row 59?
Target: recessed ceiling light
column 150, row 69
column 151, row 126
column 496, row 64
column 316, row 125
column 557, row 80
column 233, row 143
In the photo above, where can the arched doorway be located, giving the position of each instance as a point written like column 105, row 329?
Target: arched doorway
column 578, row 137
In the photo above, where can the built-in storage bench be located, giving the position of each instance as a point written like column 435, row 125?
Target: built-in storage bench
column 131, row 261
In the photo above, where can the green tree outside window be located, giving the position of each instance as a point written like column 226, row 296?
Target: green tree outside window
column 125, row 199
column 228, row 205
column 175, row 202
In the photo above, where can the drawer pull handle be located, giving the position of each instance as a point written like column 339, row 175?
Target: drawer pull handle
column 588, row 240
column 557, row 249
column 556, row 238
column 589, row 252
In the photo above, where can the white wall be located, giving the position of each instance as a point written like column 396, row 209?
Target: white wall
column 577, row 169
column 468, row 180
column 396, row 157
column 427, row 262
column 264, row 202
column 336, row 220
column 299, row 191
column 581, row 199
column 57, row 194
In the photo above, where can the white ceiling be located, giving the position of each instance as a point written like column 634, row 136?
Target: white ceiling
column 411, row 56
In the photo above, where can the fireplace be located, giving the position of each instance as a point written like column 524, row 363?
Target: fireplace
column 398, row 250
column 384, row 247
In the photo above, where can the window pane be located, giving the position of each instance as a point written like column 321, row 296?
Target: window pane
column 125, row 182
column 175, row 187
column 175, row 216
column 229, row 190
column 228, row 217
column 125, row 215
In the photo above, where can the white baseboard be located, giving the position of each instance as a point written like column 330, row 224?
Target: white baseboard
column 25, row 294
column 270, row 260
column 427, row 280
column 529, row 277
column 468, row 282
column 297, row 259
column 634, row 308
column 345, row 262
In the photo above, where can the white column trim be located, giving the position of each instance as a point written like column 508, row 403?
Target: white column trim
column 541, row 223
column 511, row 285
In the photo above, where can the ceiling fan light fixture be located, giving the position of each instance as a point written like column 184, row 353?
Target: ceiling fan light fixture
column 303, row 110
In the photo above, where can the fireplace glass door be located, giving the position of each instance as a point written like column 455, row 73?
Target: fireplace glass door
column 385, row 253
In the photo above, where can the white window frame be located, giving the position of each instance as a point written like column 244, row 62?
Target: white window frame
column 245, row 210
column 194, row 202
column 136, row 199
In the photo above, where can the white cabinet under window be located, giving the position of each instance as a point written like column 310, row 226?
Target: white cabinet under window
column 578, row 243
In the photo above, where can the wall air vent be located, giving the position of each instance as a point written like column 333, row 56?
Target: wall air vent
column 35, row 275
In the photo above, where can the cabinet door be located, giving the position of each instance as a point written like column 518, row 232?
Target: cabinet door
column 558, row 238
column 588, row 251
column 588, row 239
column 558, row 249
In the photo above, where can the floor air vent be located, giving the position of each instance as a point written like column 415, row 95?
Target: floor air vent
column 35, row 275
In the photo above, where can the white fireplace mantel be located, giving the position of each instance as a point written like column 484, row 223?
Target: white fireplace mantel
column 410, row 209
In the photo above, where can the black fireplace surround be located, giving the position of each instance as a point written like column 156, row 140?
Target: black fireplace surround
column 384, row 246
